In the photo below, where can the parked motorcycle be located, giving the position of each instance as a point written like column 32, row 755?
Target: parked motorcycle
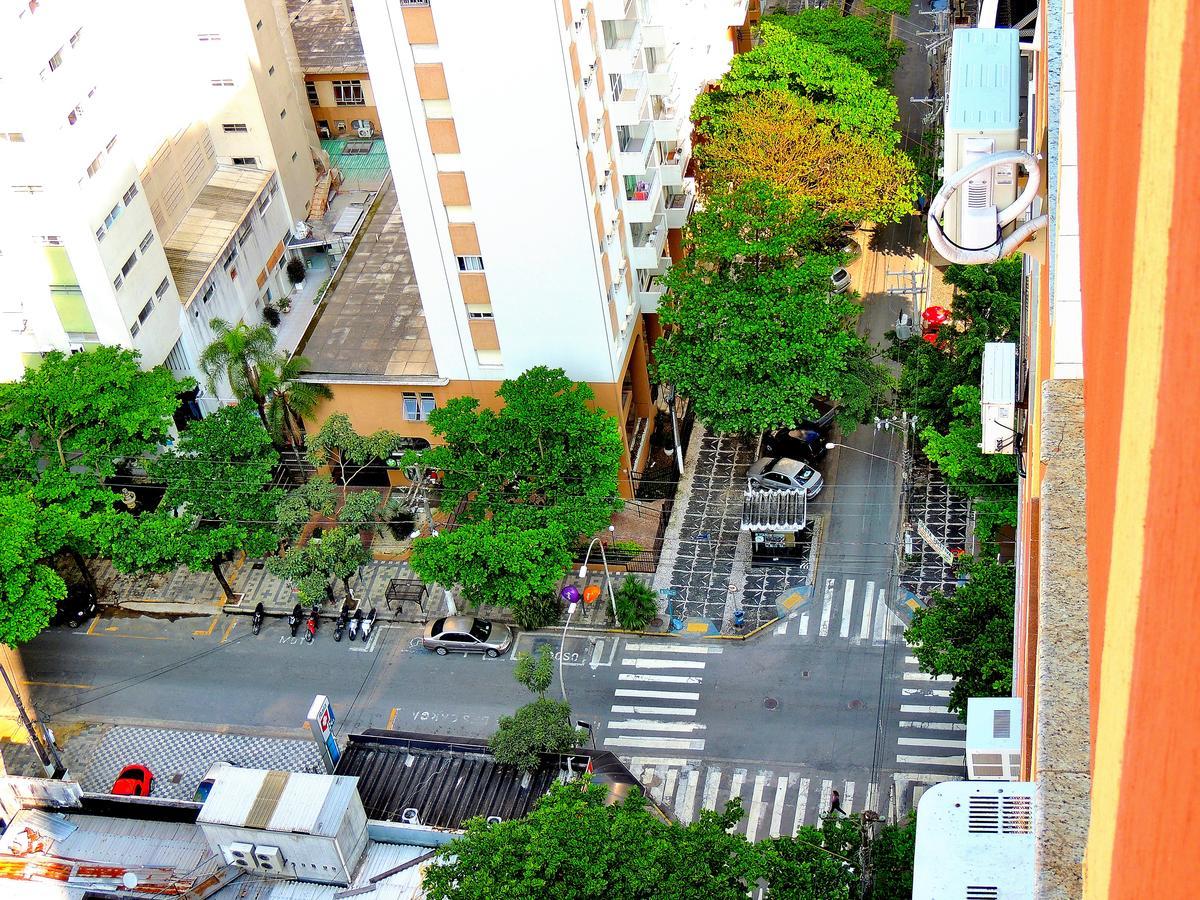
column 339, row 627
column 259, row 615
column 311, row 624
column 368, row 624
column 356, row 624
column 295, row 618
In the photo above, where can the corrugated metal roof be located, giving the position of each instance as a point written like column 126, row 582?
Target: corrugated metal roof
column 379, row 858
column 232, row 796
column 774, row 511
column 279, row 801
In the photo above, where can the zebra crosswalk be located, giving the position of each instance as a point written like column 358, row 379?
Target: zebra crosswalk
column 931, row 739
column 656, row 698
column 844, row 610
column 776, row 802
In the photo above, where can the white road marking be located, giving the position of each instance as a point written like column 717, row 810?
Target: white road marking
column 848, row 798
column 803, row 629
column 597, row 652
column 643, row 663
column 669, row 789
column 777, row 807
column 933, row 726
column 879, row 630
column 924, row 692
column 801, row 805
column 928, row 742
column 932, row 760
column 757, row 807
column 637, row 647
column 847, row 608
column 864, row 627
column 872, row 796
column 781, row 628
column 823, row 807
column 686, row 809
column 917, row 708
column 655, row 725
column 666, row 743
column 712, row 784
column 664, row 761
column 826, row 607
column 658, row 695
column 660, row 679
column 925, row 676
column 735, row 785
column 911, row 660
column 655, row 710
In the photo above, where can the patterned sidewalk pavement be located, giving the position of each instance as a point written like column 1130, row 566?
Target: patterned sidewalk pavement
column 946, row 515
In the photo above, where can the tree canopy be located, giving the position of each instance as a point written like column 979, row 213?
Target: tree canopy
column 780, row 138
column 865, row 40
column 30, row 588
column 752, row 331
column 346, row 452
column 574, row 847
column 969, row 633
column 240, row 353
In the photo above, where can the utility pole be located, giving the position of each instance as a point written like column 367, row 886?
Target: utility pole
column 42, row 745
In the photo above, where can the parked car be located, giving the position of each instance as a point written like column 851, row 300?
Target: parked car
column 850, row 248
column 135, row 780
column 796, row 443
column 826, row 413
column 467, row 633
column 778, row 473
column 204, row 788
column 840, row 280
column 76, row 608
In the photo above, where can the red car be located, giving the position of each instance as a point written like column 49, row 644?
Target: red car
column 134, row 781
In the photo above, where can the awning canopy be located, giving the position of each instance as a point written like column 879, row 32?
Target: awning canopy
column 774, row 511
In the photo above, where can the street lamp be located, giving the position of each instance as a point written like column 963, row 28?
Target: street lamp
column 830, row 445
column 562, row 647
column 607, row 574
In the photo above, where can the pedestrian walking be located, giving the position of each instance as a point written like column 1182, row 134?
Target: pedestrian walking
column 835, row 803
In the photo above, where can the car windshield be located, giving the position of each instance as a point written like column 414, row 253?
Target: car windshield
column 481, row 630
column 805, row 474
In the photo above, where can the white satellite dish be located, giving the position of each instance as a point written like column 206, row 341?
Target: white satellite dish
column 129, row 880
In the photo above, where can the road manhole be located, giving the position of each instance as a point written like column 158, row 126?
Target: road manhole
column 804, row 674
column 656, row 622
column 771, row 703
column 854, row 704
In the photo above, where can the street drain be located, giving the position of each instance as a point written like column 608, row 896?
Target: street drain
column 771, row 703
column 804, row 674
column 854, row 704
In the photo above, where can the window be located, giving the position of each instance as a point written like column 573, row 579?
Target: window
column 55, row 60
column 28, row 188
column 230, row 255
column 258, row 25
column 75, row 38
column 111, row 143
column 49, row 240
column 244, row 161
column 101, row 234
column 417, row 407
column 470, row 264
column 74, row 115
column 235, row 128
column 243, row 233
column 15, row 137
column 208, row 292
column 129, row 264
column 311, row 90
column 283, row 114
column 208, row 37
column 146, row 242
column 146, row 310
column 339, row 125
column 134, row 329
column 117, row 282
column 270, row 71
column 295, row 156
column 264, row 202
column 348, row 93
column 162, row 288
column 94, row 166
column 480, row 313
column 221, row 82
column 130, row 194
column 112, row 216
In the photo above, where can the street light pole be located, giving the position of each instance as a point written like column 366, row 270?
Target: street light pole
column 562, row 650
column 831, row 445
column 607, row 574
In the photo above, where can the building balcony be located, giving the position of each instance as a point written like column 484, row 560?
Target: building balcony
column 650, row 292
column 607, row 196
column 679, row 204
column 643, row 197
column 622, row 49
column 615, row 10
column 627, row 96
column 648, row 242
column 674, row 165
column 654, row 36
column 636, row 144
column 661, row 82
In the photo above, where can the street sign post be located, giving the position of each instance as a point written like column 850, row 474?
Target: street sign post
column 320, row 722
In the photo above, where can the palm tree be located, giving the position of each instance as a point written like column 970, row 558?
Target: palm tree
column 288, row 400
column 240, row 353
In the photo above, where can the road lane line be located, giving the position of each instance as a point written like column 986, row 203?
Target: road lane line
column 925, row 676
column 666, row 743
column 757, row 808
column 686, row 809
column 655, row 725
column 777, row 807
column 934, row 726
column 597, row 653
column 864, row 627
column 803, row 629
column 660, row 679
column 918, row 708
column 879, row 630
column 665, row 761
column 782, row 627
column 929, row 742
column 637, row 647
column 643, row 663
column 848, row 798
column 712, row 784
column 392, row 718
column 911, row 660
column 847, row 608
column 205, row 632
column 658, row 695
column 923, row 692
column 655, row 710
column 228, row 631
column 823, row 806
column 826, row 608
column 932, row 760
column 735, row 785
column 801, row 806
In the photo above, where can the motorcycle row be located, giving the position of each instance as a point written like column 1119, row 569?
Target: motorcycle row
column 352, row 624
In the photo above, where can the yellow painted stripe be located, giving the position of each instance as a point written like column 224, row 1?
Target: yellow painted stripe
column 211, row 626
column 61, row 684
column 392, row 718
column 1143, row 364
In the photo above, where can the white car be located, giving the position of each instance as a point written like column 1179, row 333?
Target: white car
column 778, row 473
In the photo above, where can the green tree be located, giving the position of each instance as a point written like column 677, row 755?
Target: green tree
column 317, row 495
column 360, row 511
column 899, row 7
column 543, row 726
column 969, row 633
column 842, row 92
column 30, row 588
column 637, row 603
column 307, row 568
column 528, row 480
column 535, row 672
column 218, row 477
column 289, row 401
column 865, row 40
column 752, row 333
column 815, row 862
column 240, row 353
column 343, row 553
column 573, row 846
column 959, row 457
column 892, row 855
column 346, row 452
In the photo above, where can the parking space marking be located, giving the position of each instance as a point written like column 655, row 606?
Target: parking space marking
column 200, row 632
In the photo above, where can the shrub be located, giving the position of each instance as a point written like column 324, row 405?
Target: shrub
column 637, row 604
column 538, row 612
column 295, row 270
column 271, row 316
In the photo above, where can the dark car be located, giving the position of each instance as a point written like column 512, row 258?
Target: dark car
column 76, row 608
column 826, row 413
column 204, row 788
column 797, row 443
column 135, row 780
column 467, row 633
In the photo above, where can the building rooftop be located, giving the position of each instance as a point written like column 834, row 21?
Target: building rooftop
column 325, row 42
column 371, row 325
column 220, row 207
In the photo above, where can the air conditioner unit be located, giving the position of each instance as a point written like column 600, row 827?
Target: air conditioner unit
column 998, row 398
column 366, row 131
column 994, row 738
column 324, row 132
column 410, row 816
column 269, row 860
column 240, row 855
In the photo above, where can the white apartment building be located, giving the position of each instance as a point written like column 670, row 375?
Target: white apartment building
column 539, row 154
column 153, row 156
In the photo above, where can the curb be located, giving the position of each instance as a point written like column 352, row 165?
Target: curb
column 170, row 725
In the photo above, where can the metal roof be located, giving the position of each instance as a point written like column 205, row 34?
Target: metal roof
column 774, row 510
column 325, row 41
column 278, row 801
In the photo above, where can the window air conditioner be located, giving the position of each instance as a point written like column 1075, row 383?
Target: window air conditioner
column 240, row 855
column 269, row 860
column 998, row 398
column 994, row 738
column 366, row 131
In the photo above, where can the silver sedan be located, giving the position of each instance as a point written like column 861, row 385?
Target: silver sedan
column 468, row 634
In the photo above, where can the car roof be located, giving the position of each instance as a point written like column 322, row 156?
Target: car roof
column 786, row 466
column 458, row 623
